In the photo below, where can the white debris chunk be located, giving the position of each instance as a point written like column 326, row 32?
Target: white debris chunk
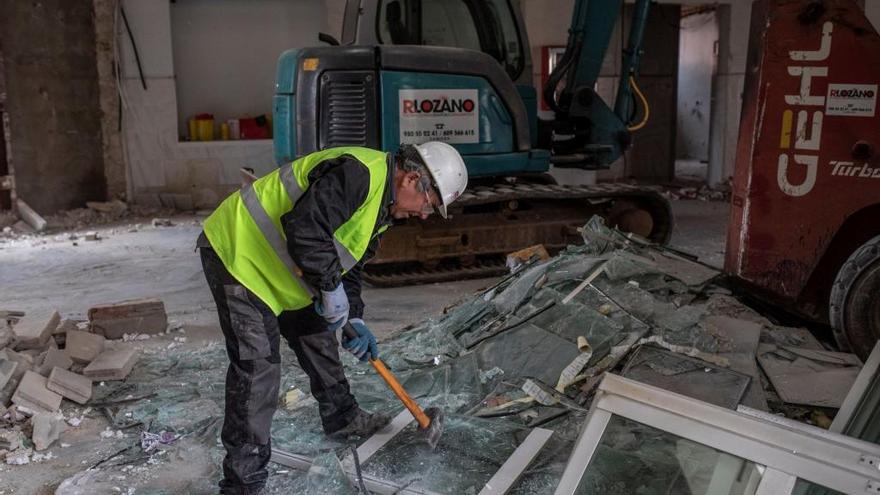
column 109, row 433
column 19, row 457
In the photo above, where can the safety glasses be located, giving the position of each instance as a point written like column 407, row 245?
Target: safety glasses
column 428, row 208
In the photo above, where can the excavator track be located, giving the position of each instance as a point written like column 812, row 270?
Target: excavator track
column 489, row 221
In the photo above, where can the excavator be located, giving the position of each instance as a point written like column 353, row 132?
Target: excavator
column 804, row 230
column 459, row 71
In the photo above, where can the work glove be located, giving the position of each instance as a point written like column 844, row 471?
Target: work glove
column 363, row 346
column 333, row 306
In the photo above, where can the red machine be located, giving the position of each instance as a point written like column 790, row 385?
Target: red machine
column 805, row 215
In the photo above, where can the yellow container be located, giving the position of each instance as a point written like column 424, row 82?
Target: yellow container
column 224, row 131
column 193, row 129
column 206, row 129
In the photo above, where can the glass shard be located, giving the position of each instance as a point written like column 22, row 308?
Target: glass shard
column 636, row 459
column 469, row 453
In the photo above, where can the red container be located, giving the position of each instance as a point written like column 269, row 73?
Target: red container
column 255, row 128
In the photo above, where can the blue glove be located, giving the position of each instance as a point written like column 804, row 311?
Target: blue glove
column 363, row 346
column 333, row 306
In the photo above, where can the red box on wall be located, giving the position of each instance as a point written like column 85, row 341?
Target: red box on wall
column 255, row 128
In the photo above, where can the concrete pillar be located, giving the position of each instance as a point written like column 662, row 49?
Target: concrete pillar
column 108, row 98
column 54, row 116
column 727, row 87
column 699, row 36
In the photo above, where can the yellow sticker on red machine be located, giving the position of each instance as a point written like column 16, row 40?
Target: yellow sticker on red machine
column 310, row 64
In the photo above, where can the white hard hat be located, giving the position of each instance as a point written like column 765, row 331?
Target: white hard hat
column 447, row 169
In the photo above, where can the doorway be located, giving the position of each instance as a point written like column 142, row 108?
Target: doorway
column 698, row 55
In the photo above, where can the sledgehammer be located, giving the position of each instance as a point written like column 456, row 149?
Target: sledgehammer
column 430, row 420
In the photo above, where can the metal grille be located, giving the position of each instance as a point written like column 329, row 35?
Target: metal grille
column 348, row 109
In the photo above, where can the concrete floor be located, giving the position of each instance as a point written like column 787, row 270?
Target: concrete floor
column 701, row 229
column 139, row 260
column 133, row 261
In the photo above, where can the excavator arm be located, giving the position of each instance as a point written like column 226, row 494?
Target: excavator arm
column 355, row 94
column 587, row 132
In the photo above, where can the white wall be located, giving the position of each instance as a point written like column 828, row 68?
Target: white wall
column 196, row 174
column 727, row 88
column 207, row 171
column 696, row 64
column 225, row 52
column 335, row 14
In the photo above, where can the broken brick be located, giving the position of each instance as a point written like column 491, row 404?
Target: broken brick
column 7, row 369
column 17, row 414
column 24, row 363
column 22, row 359
column 65, row 326
column 111, row 365
column 6, row 335
column 32, row 393
column 54, row 358
column 19, row 457
column 33, row 331
column 34, row 354
column 70, row 385
column 83, row 347
column 10, row 439
column 46, row 429
column 137, row 316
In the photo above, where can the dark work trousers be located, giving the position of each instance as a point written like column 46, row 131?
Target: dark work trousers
column 252, row 380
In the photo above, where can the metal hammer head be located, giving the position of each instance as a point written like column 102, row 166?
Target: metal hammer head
column 435, row 427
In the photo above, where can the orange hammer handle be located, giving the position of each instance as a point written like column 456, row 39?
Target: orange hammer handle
column 401, row 394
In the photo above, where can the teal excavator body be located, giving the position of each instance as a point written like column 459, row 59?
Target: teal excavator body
column 383, row 96
column 459, row 71
column 384, row 93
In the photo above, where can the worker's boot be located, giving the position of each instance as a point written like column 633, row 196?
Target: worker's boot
column 362, row 425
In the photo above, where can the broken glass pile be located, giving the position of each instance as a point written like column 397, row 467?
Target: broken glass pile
column 524, row 353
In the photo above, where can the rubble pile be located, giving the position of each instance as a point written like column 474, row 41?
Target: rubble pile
column 7, row 219
column 95, row 213
column 46, row 360
column 529, row 352
column 99, row 213
column 721, row 192
column 526, row 352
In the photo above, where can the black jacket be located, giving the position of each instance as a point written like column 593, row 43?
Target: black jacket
column 337, row 188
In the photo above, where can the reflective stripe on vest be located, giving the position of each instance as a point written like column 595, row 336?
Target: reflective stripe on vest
column 295, row 192
column 247, row 234
column 345, row 258
column 264, row 223
column 288, row 180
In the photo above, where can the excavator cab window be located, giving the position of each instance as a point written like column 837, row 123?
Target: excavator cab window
column 487, row 26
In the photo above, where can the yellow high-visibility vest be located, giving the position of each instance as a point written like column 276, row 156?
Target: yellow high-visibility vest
column 245, row 230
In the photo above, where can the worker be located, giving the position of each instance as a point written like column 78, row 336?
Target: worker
column 283, row 257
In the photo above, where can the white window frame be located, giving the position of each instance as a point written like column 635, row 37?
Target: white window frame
column 830, row 460
column 853, row 401
column 500, row 482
